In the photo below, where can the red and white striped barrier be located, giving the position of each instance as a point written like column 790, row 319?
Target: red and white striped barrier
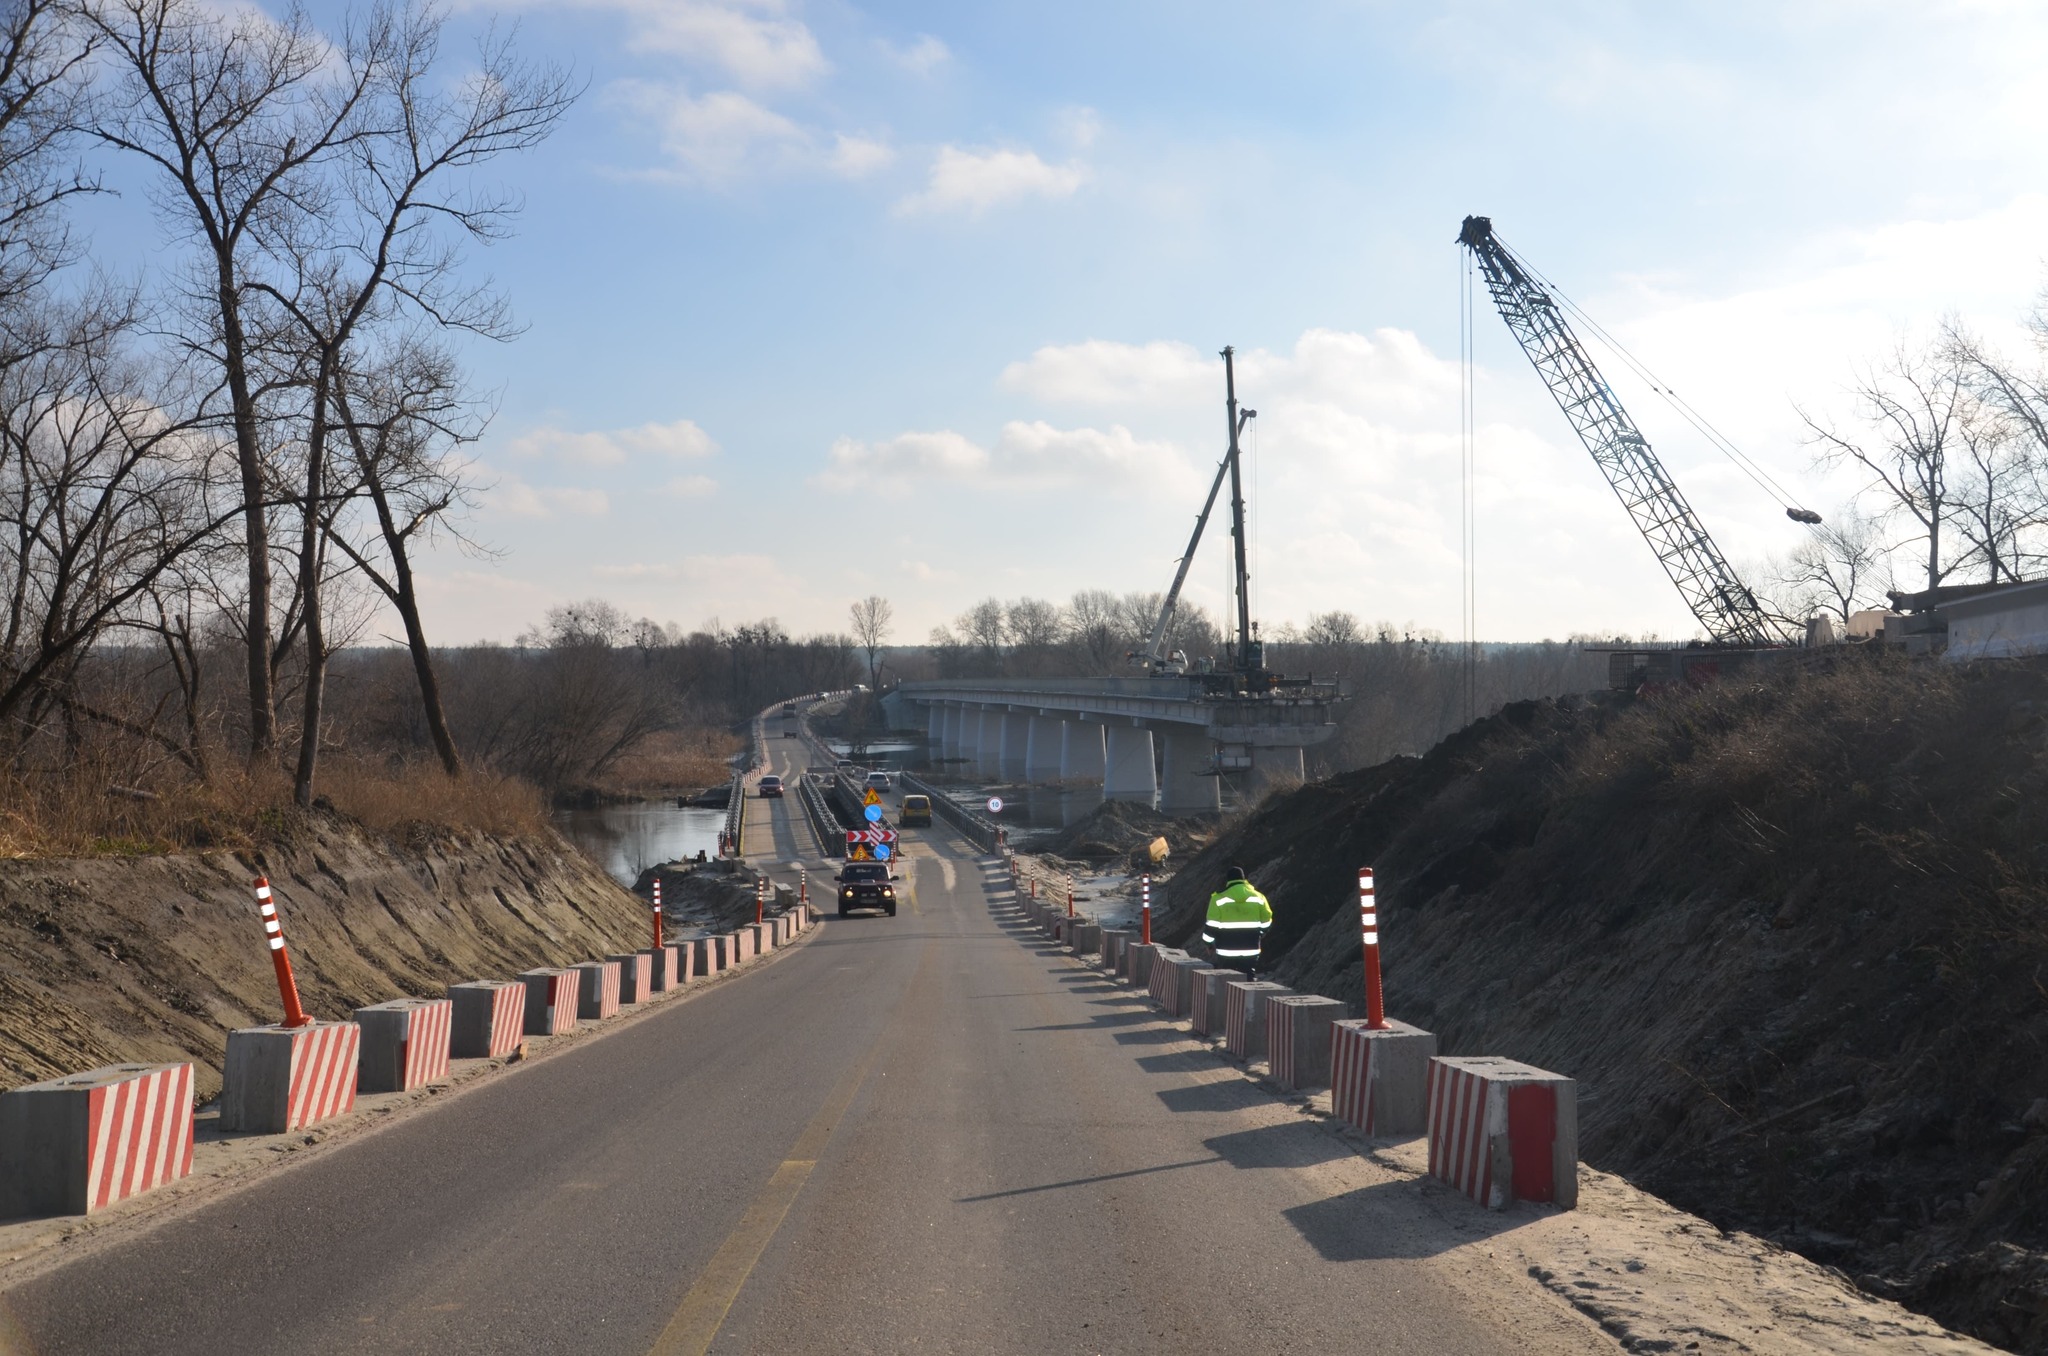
column 686, row 962
column 1205, row 999
column 1159, row 978
column 1144, row 956
column 551, row 1000
column 1379, row 1079
column 489, row 1019
column 636, row 975
column 278, row 1079
column 74, row 1145
column 665, row 967
column 598, row 996
column 742, row 945
column 1502, row 1131
column 1298, row 1039
column 1244, row 1016
column 404, row 1044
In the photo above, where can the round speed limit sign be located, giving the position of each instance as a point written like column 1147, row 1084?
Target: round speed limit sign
column 995, row 805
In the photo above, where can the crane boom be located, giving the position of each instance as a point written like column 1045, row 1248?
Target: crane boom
column 1727, row 609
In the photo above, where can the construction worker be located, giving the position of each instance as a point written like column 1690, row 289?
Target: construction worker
column 1236, row 924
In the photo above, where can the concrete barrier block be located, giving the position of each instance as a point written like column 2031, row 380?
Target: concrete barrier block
column 551, row 997
column 1112, row 946
column 74, row 1145
column 1244, row 1016
column 1379, row 1080
column 1163, row 984
column 405, row 1044
column 665, row 967
column 1144, row 955
column 1502, row 1131
column 1205, row 998
column 742, row 949
column 1184, row 968
column 636, row 975
column 276, row 1080
column 1085, row 938
column 703, row 952
column 1298, row 1037
column 686, row 963
column 488, row 1020
column 597, row 997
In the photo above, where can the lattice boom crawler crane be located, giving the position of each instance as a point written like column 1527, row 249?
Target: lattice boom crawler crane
column 1722, row 603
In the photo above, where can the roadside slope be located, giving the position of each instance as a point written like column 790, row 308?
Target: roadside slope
column 1792, row 937
column 108, row 960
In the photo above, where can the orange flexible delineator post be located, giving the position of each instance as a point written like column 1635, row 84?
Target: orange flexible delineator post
column 1070, row 896
column 760, row 898
column 273, row 935
column 1369, row 937
column 1145, row 897
column 657, row 913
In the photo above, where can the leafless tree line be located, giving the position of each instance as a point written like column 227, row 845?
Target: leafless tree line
column 238, row 451
column 1951, row 437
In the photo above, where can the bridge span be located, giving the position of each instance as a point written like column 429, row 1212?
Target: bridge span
column 1139, row 737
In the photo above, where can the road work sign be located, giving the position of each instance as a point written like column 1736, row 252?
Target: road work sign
column 869, row 836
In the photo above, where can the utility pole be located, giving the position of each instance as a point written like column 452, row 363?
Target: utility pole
column 1244, row 602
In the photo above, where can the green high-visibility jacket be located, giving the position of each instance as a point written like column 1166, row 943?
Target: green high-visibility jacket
column 1239, row 903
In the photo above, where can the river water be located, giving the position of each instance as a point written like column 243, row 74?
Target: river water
column 627, row 839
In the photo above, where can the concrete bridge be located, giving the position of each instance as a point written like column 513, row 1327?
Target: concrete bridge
column 1136, row 736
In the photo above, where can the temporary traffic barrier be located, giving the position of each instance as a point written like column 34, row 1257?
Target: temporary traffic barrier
column 636, row 976
column 1205, row 999
column 489, row 1019
column 1502, row 1131
column 705, row 955
column 1163, row 983
column 285, row 1078
column 550, row 1001
column 1244, row 1017
column 1112, row 942
column 1298, row 1039
column 1143, row 956
column 1380, row 1079
column 404, row 1044
column 665, row 967
column 598, row 996
column 1182, row 968
column 1085, row 938
column 74, row 1145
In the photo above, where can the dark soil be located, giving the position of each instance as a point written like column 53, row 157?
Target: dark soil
column 1790, row 934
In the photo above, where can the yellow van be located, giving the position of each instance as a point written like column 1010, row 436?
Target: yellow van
column 916, row 812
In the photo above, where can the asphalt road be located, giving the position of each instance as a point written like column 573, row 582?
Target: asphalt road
column 919, row 1134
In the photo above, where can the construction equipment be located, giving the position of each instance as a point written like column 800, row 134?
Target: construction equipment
column 1727, row 609
column 1154, row 657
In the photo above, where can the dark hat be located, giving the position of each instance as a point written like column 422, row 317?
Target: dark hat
column 1237, row 873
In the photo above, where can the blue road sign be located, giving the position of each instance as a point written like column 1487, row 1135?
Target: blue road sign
column 882, row 852
column 874, row 814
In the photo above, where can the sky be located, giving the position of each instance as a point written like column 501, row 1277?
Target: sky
column 924, row 300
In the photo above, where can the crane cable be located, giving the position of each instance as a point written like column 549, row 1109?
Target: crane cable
column 1718, row 440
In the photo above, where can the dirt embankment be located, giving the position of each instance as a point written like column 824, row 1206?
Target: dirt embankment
column 109, row 960
column 1792, row 937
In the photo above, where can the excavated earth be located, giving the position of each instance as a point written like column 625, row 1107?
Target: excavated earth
column 114, row 960
column 1790, row 935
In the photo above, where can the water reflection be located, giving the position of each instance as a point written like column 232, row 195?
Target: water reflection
column 626, row 839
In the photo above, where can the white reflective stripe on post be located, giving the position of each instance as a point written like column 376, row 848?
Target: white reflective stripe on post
column 277, row 943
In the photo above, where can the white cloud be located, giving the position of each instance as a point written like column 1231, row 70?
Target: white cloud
column 1025, row 454
column 1104, row 372
column 973, row 181
column 690, row 487
column 854, row 157
column 681, row 438
column 515, row 498
column 716, row 137
column 756, row 42
column 921, row 57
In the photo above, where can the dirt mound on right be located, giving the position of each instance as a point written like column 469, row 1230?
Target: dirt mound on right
column 1790, row 934
column 1122, row 832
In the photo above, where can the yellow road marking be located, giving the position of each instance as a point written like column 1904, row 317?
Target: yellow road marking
column 702, row 1313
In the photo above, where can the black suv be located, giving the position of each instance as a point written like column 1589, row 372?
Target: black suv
column 865, row 885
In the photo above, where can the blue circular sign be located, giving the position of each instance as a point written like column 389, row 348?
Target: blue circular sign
column 874, row 814
column 882, row 852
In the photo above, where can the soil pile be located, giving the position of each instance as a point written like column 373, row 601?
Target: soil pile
column 1791, row 935
column 154, row 959
column 715, row 895
column 1122, row 832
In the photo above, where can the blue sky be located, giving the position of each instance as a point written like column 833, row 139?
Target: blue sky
column 923, row 300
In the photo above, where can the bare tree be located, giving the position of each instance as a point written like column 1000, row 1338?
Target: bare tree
column 1092, row 626
column 871, row 619
column 1332, row 628
column 1913, row 407
column 1842, row 567
column 2001, row 485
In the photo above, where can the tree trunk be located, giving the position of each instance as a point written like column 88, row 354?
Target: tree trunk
column 415, row 634
column 311, row 544
column 255, row 527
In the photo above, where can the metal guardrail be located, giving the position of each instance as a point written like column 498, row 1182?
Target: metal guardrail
column 830, row 832
column 979, row 830
column 736, row 816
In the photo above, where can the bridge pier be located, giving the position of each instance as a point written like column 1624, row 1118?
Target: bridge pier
column 1271, row 766
column 1042, row 750
column 1081, row 757
column 1189, row 784
column 949, row 730
column 1016, row 733
column 1130, row 774
column 934, row 731
column 988, row 740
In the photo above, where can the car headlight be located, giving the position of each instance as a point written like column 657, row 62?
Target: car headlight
column 848, row 892
column 889, row 890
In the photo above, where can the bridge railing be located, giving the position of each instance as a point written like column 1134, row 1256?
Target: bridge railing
column 977, row 829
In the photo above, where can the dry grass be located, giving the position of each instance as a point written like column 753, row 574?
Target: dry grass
column 680, row 760
column 106, row 807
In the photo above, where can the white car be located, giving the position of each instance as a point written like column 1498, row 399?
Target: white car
column 879, row 781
